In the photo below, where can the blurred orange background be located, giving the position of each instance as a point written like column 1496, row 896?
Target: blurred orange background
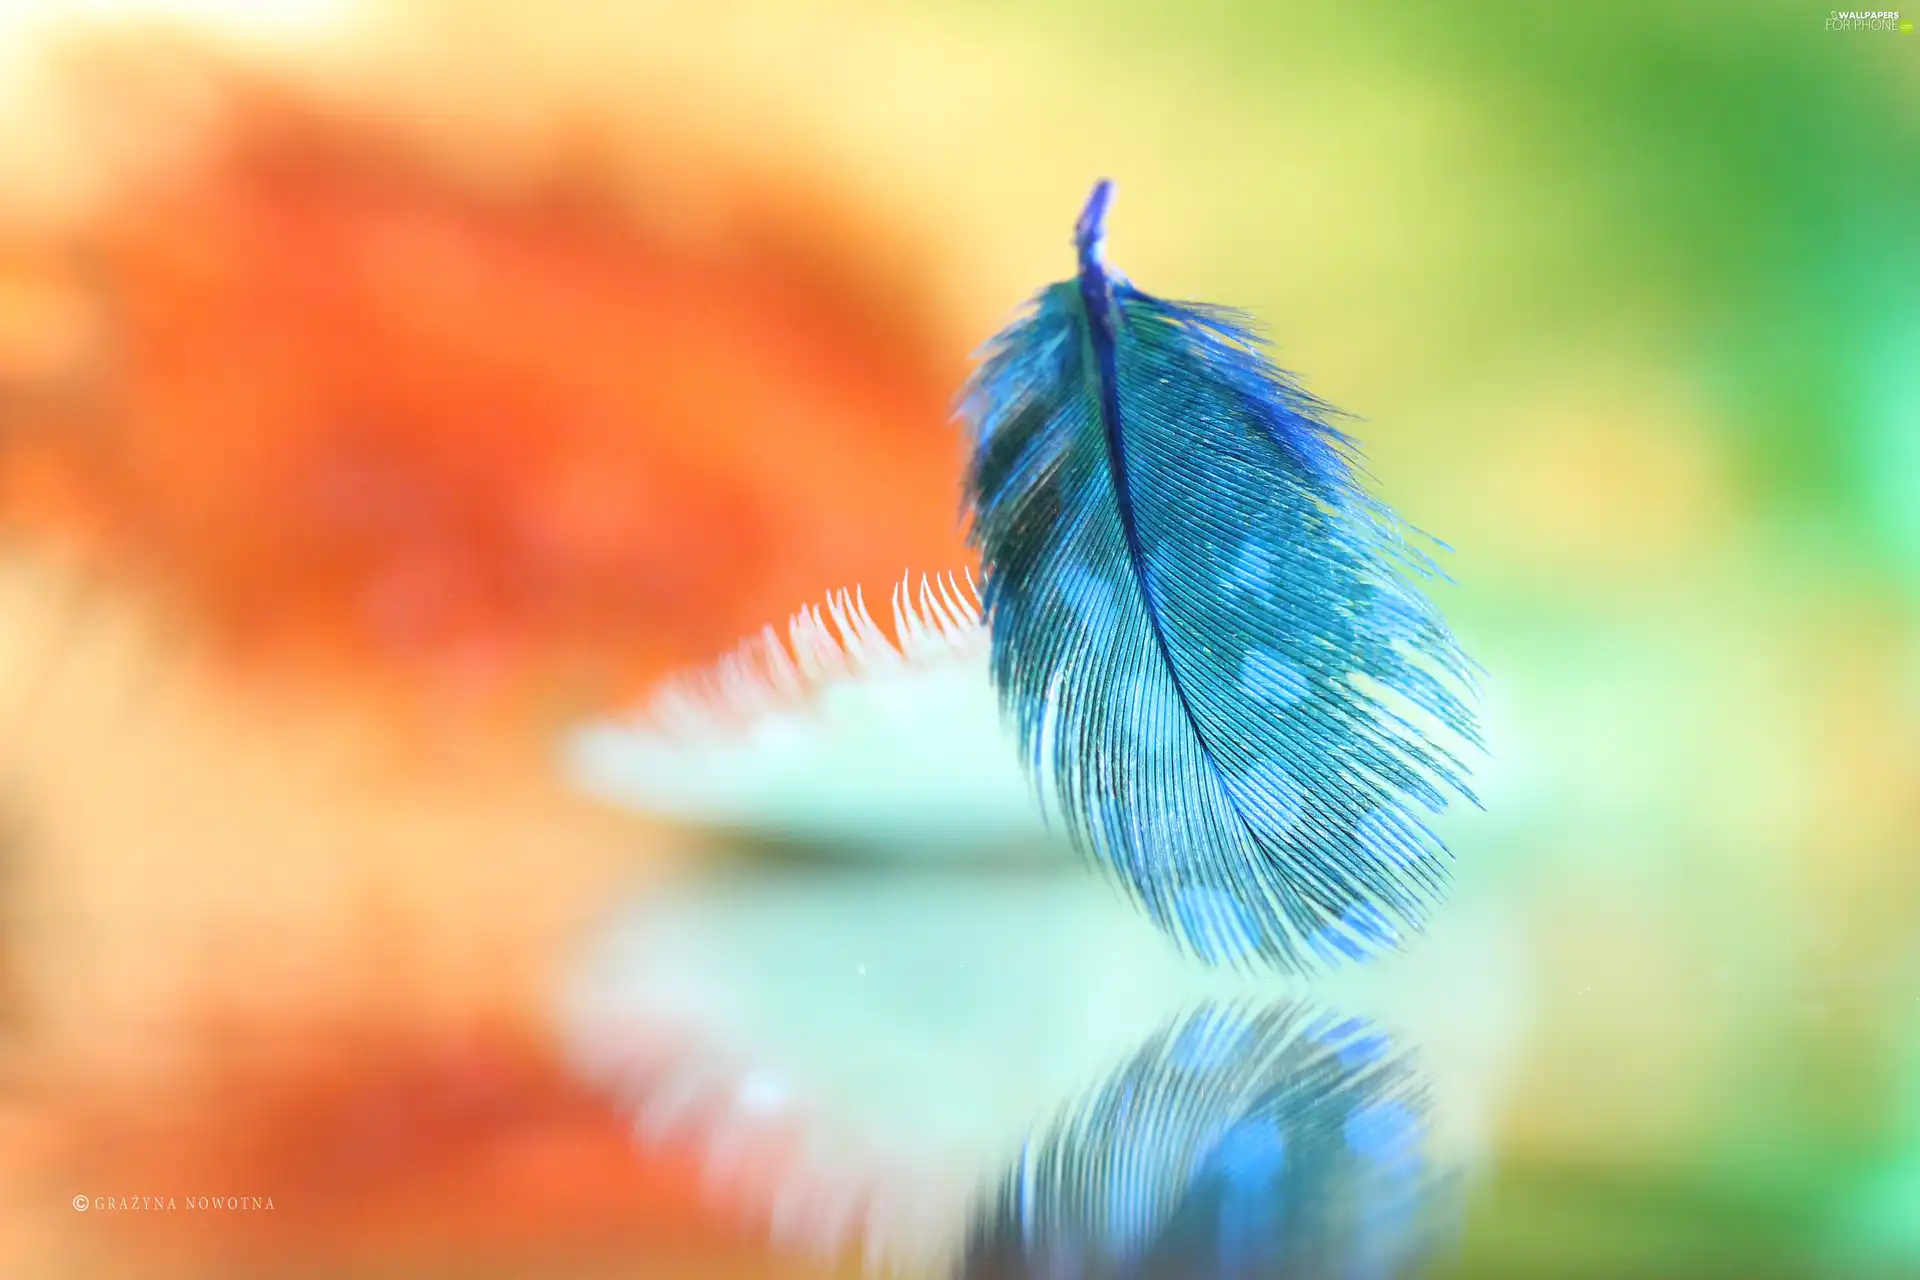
column 339, row 473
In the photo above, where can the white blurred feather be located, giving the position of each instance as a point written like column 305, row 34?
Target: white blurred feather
column 834, row 734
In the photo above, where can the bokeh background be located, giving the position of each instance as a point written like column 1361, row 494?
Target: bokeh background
column 385, row 388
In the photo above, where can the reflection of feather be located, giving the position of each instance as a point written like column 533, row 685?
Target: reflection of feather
column 833, row 734
column 1235, row 1144
column 915, row 1027
column 1206, row 629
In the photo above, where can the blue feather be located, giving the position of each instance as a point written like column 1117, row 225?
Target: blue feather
column 1209, row 635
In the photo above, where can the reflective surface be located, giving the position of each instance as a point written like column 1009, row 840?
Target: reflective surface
column 953, row 1071
column 928, row 1072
